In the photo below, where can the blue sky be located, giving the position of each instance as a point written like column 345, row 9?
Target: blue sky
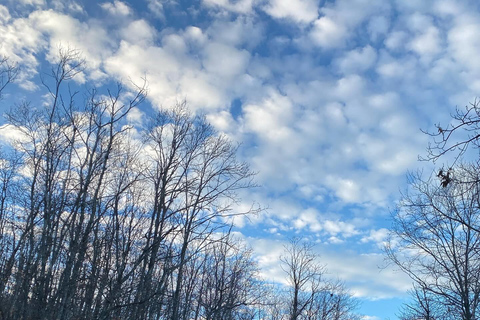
column 326, row 97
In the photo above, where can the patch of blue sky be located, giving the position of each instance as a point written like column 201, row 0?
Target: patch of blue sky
column 389, row 310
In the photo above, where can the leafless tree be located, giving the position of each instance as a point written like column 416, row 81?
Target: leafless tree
column 226, row 284
column 304, row 273
column 333, row 302
column 103, row 219
column 310, row 295
column 456, row 137
column 8, row 73
column 425, row 306
column 433, row 241
column 68, row 156
column 100, row 220
column 436, row 228
column 193, row 175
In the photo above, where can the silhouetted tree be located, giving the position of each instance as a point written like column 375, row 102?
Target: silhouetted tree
column 100, row 219
column 425, row 306
column 434, row 240
column 8, row 73
column 304, row 275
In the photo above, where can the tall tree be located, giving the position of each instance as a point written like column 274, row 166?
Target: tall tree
column 432, row 244
column 426, row 306
column 100, row 219
column 304, row 274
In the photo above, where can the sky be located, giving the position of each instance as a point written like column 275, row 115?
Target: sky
column 327, row 99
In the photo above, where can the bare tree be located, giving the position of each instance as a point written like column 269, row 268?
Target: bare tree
column 56, row 240
column 8, row 73
column 103, row 220
column 432, row 244
column 333, row 302
column 192, row 175
column 304, row 274
column 425, row 306
column 456, row 137
column 228, row 284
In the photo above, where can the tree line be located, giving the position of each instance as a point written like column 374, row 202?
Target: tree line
column 103, row 219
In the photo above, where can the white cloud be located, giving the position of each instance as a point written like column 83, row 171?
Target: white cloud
column 350, row 87
column 117, row 8
column 224, row 60
column 346, row 189
column 328, row 33
column 378, row 236
column 135, row 116
column 404, row 69
column 91, row 40
column 340, row 20
column 199, row 92
column 4, row 14
column 427, row 43
column 203, row 66
column 195, row 34
column 241, row 6
column 271, row 118
column 418, row 22
column 308, row 218
column 222, row 121
column 335, row 228
column 366, row 274
column 139, row 32
column 11, row 135
column 426, row 40
column 300, row 11
column 37, row 3
column 157, row 7
column 363, row 273
column 357, row 60
column 396, row 40
column 244, row 31
column 67, row 6
column 448, row 7
column 174, row 79
column 20, row 41
column 388, row 159
column 464, row 43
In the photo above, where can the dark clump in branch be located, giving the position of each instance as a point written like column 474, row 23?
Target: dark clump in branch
column 445, row 178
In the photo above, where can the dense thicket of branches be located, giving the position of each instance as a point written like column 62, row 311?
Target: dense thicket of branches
column 102, row 219
column 310, row 296
column 435, row 244
column 436, row 231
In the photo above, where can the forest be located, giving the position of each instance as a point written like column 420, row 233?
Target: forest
column 100, row 219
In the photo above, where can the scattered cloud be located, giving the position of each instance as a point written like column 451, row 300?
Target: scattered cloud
column 378, row 237
column 299, row 11
column 241, row 6
column 328, row 33
column 327, row 98
column 357, row 60
column 116, row 8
